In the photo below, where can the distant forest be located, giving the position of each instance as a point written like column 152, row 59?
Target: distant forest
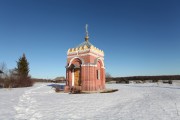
column 143, row 78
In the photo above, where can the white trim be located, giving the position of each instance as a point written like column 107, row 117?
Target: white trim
column 89, row 64
column 103, row 67
column 83, row 51
column 86, row 54
column 96, row 53
column 99, row 58
column 76, row 52
column 92, row 65
column 73, row 77
column 75, row 58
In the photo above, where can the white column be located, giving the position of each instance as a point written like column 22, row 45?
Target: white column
column 73, row 77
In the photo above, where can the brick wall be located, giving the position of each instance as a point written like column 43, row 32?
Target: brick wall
column 88, row 74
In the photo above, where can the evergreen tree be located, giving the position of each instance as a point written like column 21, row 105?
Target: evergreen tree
column 23, row 67
column 22, row 72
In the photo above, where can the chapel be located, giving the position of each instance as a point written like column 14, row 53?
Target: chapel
column 85, row 68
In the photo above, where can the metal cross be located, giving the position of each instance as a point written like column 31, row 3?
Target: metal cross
column 86, row 27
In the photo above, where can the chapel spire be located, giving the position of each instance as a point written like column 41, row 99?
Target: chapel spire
column 87, row 36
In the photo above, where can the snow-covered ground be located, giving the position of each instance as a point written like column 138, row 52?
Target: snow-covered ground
column 132, row 102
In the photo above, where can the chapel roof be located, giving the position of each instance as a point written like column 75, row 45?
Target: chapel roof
column 87, row 43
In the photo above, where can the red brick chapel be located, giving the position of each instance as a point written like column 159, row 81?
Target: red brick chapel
column 85, row 68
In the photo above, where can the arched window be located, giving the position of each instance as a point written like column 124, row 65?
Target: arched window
column 98, row 74
column 98, row 70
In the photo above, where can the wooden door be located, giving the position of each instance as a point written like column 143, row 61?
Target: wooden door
column 77, row 77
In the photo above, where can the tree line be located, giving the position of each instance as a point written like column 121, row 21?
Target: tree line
column 17, row 77
column 143, row 78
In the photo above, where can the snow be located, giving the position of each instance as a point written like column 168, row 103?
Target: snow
column 150, row 101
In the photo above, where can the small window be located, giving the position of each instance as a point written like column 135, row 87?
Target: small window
column 98, row 74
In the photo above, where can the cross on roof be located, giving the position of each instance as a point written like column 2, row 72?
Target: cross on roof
column 86, row 30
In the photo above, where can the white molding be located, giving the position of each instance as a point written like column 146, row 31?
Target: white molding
column 99, row 58
column 89, row 64
column 75, row 58
column 103, row 67
column 86, row 54
column 87, row 50
column 84, row 51
column 69, row 53
column 96, row 53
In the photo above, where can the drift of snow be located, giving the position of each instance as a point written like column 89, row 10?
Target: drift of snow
column 132, row 102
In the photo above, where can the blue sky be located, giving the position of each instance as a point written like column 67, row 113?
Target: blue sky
column 139, row 37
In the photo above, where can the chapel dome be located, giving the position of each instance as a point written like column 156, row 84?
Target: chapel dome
column 84, row 46
column 87, row 43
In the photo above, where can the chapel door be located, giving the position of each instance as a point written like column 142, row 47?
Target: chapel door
column 77, row 77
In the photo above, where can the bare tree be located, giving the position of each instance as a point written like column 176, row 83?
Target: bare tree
column 108, row 75
column 3, row 69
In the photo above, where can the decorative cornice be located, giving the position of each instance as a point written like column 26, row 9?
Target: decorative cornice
column 90, row 65
column 85, row 54
column 85, row 48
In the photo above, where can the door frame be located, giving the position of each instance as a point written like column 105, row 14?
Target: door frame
column 73, row 76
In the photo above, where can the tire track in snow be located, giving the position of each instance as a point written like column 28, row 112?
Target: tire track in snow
column 27, row 107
